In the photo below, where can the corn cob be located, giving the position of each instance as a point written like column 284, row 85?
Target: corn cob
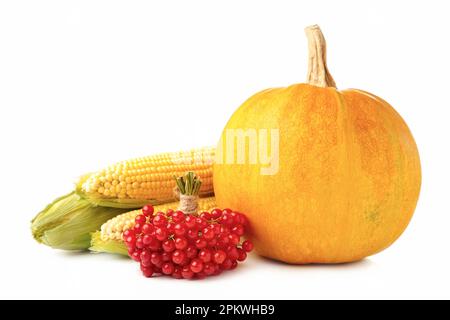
column 68, row 221
column 136, row 182
column 109, row 237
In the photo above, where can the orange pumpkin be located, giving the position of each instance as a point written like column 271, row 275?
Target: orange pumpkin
column 348, row 175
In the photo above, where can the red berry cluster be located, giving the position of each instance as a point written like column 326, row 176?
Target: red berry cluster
column 187, row 246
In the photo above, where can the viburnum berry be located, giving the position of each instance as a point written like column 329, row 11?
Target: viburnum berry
column 201, row 243
column 166, row 256
column 187, row 246
column 180, row 243
column 168, row 245
column 137, row 228
column 205, row 255
column 247, row 245
column 167, row 268
column 191, row 251
column 147, row 210
column 148, row 228
column 147, row 239
column 196, row 265
column 159, row 220
column 219, row 256
column 189, row 221
column 187, row 273
column 177, row 273
column 242, row 255
column 216, row 213
column 141, row 219
column 178, row 256
column 147, row 271
column 178, row 216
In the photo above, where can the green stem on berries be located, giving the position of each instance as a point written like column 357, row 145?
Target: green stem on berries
column 189, row 187
column 189, row 184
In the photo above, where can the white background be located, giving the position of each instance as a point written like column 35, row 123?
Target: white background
column 86, row 83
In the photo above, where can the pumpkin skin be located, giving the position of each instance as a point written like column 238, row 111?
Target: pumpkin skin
column 348, row 180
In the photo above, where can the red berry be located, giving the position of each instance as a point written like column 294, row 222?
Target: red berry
column 234, row 239
column 159, row 220
column 209, row 268
column 141, row 219
column 242, row 255
column 233, row 264
column 137, row 228
column 187, row 273
column 223, row 239
column 181, row 243
column 168, row 245
column 232, row 253
column 205, row 255
column 212, row 243
column 196, row 265
column 170, row 227
column 200, row 223
column 147, row 271
column 205, row 215
column 200, row 275
column 226, row 265
column 216, row 213
column 139, row 243
column 216, row 228
column 191, row 251
column 186, row 261
column 161, row 234
column 127, row 233
column 201, row 243
column 177, row 273
column 145, row 257
column 219, row 256
column 136, row 255
column 167, row 268
column 166, row 256
column 154, row 245
column 156, row 258
column 247, row 245
column 178, row 216
column 147, row 228
column 207, row 234
column 147, row 239
column 227, row 218
column 130, row 239
column 179, row 229
column 178, row 256
column 169, row 212
column 227, row 210
column 190, row 221
column 238, row 229
column 156, row 269
column 148, row 210
column 217, row 270
column 192, row 234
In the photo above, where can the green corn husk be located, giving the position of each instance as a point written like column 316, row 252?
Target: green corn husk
column 108, row 246
column 67, row 223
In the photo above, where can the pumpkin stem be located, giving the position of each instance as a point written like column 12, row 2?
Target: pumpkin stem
column 318, row 74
